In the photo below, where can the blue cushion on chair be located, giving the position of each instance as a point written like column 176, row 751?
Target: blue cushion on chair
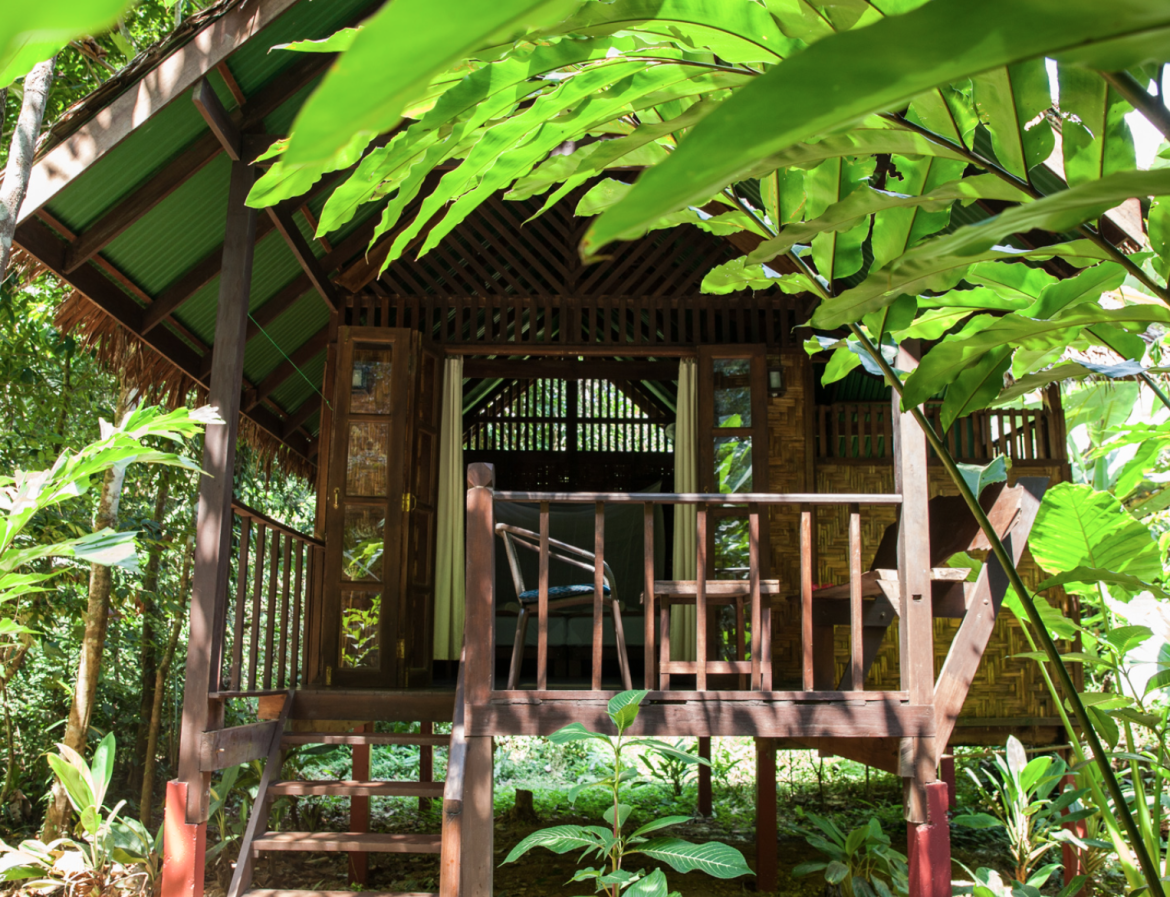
column 557, row 592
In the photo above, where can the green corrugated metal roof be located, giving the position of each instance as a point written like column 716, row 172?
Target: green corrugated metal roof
column 165, row 243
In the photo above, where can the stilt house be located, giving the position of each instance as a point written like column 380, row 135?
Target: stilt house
column 499, row 434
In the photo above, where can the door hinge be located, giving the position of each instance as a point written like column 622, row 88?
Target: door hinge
column 336, row 496
column 408, row 502
column 328, row 675
column 402, row 649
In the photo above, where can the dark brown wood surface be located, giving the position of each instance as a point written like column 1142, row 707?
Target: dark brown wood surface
column 214, row 515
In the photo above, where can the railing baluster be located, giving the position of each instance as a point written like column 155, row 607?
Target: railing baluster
column 241, row 601
column 754, row 577
column 806, row 598
column 542, row 606
column 598, row 588
column 257, row 586
column 284, row 596
column 648, row 588
column 701, row 601
column 270, row 611
column 298, row 624
column 856, row 645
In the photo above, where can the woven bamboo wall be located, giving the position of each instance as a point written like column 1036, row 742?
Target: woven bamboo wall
column 1007, row 692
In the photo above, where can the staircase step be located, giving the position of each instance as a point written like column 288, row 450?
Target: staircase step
column 364, row 842
column 358, row 789
column 293, row 738
column 271, row 892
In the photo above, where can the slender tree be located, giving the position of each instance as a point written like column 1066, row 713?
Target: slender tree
column 97, row 617
column 148, row 603
column 20, row 155
column 146, row 803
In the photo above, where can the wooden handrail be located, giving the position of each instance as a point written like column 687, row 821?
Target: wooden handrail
column 452, row 833
column 243, row 510
column 702, row 498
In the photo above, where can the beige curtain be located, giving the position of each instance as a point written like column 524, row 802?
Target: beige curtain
column 449, row 573
column 686, row 479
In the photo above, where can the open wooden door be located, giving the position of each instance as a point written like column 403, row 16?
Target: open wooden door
column 733, row 458
column 379, row 510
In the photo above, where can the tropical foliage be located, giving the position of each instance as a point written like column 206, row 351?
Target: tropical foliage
column 610, row 843
column 861, row 863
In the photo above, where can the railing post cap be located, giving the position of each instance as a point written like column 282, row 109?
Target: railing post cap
column 480, row 474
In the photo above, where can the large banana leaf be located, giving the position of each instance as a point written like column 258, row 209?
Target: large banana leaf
column 399, row 50
column 32, row 32
column 1078, row 526
column 924, row 269
column 1012, row 102
column 851, row 74
column 895, row 232
column 946, row 361
column 837, row 251
column 1095, row 137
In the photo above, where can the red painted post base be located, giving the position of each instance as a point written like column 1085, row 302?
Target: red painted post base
column 929, row 847
column 184, row 847
column 1073, row 866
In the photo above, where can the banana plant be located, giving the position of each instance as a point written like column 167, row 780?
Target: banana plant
column 610, row 843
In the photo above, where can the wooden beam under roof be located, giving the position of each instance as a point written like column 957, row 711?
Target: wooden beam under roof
column 38, row 240
column 225, row 130
column 167, row 81
column 303, row 253
column 184, row 166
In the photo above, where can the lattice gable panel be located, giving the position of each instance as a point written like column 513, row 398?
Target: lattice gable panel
column 502, row 250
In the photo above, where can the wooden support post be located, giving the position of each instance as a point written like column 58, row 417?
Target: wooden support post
column 946, row 773
column 916, row 624
column 426, row 763
column 705, row 778
column 478, row 823
column 481, row 573
column 359, row 810
column 214, row 517
column 929, row 847
column 766, row 843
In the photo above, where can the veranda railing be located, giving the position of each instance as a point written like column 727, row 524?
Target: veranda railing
column 864, row 430
column 482, row 500
column 271, row 578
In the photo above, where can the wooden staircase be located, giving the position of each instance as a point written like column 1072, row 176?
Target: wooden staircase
column 447, row 844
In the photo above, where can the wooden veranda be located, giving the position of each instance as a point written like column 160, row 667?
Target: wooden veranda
column 851, row 634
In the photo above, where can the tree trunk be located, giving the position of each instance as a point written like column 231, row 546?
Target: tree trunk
column 97, row 617
column 20, row 154
column 147, row 596
column 145, row 804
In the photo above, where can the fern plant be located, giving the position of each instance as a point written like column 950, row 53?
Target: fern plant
column 610, row 843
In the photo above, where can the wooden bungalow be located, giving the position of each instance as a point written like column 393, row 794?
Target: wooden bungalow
column 679, row 443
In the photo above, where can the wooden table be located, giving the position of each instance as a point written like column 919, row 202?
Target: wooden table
column 717, row 593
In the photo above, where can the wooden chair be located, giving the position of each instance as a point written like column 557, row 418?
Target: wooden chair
column 719, row 593
column 560, row 598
